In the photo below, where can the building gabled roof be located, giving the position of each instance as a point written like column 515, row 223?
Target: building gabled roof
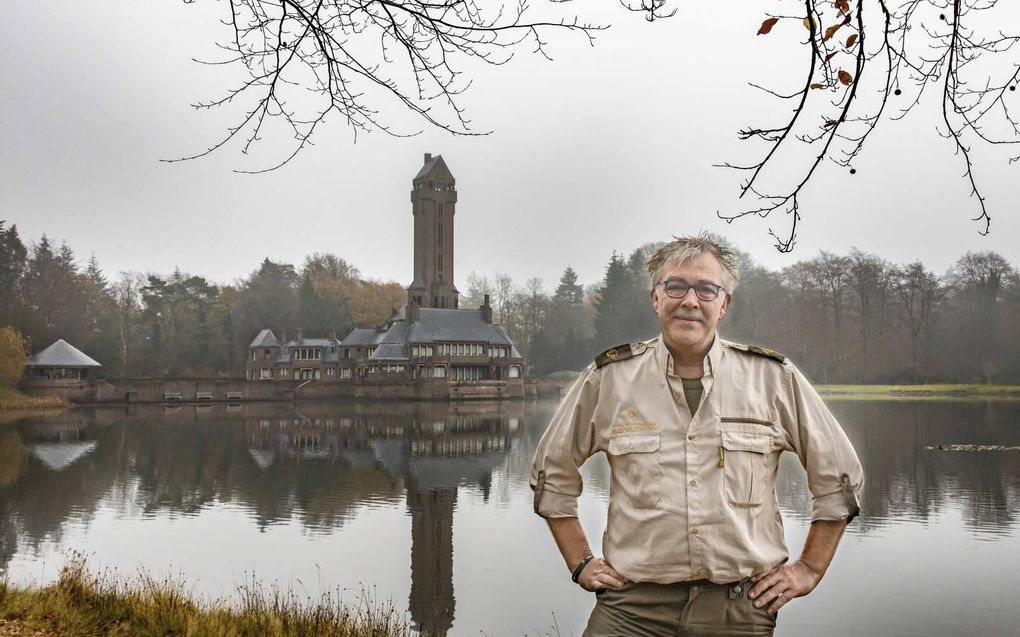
column 61, row 354
column 362, row 336
column 389, row 352
column 265, row 338
column 435, row 168
column 435, row 324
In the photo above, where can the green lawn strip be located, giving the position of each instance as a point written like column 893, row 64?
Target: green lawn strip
column 86, row 605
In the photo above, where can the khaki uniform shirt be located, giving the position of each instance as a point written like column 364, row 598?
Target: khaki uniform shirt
column 694, row 497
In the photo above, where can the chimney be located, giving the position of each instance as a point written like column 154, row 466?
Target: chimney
column 486, row 310
column 299, row 334
column 428, row 157
column 412, row 311
column 332, row 335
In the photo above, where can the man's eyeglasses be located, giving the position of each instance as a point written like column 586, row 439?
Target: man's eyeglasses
column 677, row 289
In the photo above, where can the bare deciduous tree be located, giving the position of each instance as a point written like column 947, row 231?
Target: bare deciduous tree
column 920, row 292
column 305, row 60
column 866, row 60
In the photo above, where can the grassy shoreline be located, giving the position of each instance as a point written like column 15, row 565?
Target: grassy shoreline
column 84, row 604
column 11, row 399
column 920, row 392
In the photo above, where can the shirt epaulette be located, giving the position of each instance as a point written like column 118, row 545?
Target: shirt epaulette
column 760, row 351
column 620, row 353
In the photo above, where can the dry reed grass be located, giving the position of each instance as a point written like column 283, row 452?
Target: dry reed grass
column 85, row 604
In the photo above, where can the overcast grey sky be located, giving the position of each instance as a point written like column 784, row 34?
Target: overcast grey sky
column 603, row 149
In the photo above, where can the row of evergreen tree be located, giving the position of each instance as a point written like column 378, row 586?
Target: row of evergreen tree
column 842, row 318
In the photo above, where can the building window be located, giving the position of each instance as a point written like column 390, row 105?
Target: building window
column 515, row 371
column 283, row 372
column 439, row 371
column 253, row 354
column 466, row 373
column 266, row 373
column 330, row 371
column 345, row 372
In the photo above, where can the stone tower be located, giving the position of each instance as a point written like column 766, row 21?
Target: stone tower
column 433, row 202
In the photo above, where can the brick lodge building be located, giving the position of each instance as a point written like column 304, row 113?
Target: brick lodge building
column 429, row 339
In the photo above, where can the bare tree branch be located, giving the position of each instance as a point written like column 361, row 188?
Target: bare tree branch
column 305, row 60
column 914, row 54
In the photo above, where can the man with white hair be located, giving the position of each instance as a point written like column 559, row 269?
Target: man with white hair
column 693, row 427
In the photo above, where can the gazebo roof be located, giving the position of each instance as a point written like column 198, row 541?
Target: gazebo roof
column 61, row 354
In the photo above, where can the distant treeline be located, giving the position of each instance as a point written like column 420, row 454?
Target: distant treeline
column 149, row 325
column 853, row 318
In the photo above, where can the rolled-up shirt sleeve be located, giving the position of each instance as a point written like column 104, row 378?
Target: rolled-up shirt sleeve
column 566, row 444
column 834, row 473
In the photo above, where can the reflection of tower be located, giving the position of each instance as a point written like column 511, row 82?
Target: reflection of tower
column 432, row 599
column 432, row 453
column 433, row 199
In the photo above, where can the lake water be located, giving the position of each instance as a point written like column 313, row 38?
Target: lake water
column 428, row 506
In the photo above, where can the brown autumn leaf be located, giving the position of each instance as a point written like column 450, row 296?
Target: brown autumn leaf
column 831, row 31
column 807, row 23
column 767, row 25
column 829, row 56
column 850, row 41
column 817, row 85
column 842, row 5
column 845, row 78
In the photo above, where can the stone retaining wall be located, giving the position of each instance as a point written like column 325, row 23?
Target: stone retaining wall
column 128, row 391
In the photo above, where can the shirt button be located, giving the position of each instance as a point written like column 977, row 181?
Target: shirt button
column 694, row 483
column 694, row 531
column 690, row 437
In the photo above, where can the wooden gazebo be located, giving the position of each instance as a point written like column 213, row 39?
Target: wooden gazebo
column 60, row 361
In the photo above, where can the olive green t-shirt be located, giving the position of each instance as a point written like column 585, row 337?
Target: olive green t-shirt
column 693, row 389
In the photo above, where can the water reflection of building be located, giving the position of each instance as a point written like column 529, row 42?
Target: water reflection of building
column 319, row 467
column 42, row 464
column 429, row 451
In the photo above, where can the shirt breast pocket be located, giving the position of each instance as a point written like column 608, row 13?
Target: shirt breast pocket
column 637, row 467
column 746, row 470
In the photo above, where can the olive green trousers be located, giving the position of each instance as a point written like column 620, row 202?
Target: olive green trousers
column 684, row 609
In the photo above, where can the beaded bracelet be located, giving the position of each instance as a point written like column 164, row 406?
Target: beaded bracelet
column 580, row 567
